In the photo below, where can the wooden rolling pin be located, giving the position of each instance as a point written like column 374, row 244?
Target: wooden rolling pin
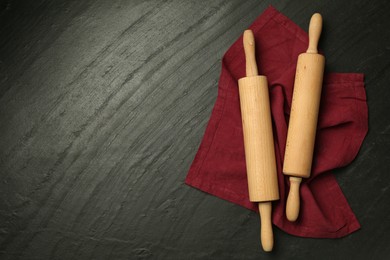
column 303, row 117
column 258, row 140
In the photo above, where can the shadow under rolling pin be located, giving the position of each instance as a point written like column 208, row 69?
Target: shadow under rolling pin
column 258, row 141
column 303, row 117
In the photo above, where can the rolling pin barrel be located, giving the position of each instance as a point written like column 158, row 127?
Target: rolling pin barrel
column 303, row 117
column 258, row 140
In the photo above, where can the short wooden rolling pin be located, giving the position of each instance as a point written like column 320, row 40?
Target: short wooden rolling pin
column 258, row 140
column 303, row 117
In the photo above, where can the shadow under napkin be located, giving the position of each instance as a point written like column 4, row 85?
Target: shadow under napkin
column 219, row 166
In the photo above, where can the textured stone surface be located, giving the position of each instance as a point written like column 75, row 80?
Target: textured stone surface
column 104, row 103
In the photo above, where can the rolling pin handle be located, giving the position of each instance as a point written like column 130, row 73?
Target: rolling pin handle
column 267, row 236
column 249, row 48
column 293, row 201
column 315, row 28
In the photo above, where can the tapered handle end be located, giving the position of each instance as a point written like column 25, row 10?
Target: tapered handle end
column 249, row 48
column 293, row 200
column 315, row 29
column 267, row 235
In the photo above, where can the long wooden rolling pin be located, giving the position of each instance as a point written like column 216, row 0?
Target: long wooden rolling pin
column 258, row 140
column 303, row 117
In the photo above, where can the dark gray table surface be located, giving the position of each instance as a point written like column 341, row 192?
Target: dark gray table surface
column 103, row 105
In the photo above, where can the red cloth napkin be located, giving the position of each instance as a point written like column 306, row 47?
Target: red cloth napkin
column 219, row 166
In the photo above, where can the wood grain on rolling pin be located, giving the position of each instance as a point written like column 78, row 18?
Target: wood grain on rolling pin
column 304, row 115
column 258, row 139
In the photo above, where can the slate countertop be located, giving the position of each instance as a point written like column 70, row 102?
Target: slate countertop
column 103, row 105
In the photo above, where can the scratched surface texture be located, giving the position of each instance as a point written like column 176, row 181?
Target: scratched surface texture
column 103, row 105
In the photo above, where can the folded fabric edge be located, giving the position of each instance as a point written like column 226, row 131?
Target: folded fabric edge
column 351, row 222
column 302, row 231
column 219, row 192
column 339, row 78
column 305, row 232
